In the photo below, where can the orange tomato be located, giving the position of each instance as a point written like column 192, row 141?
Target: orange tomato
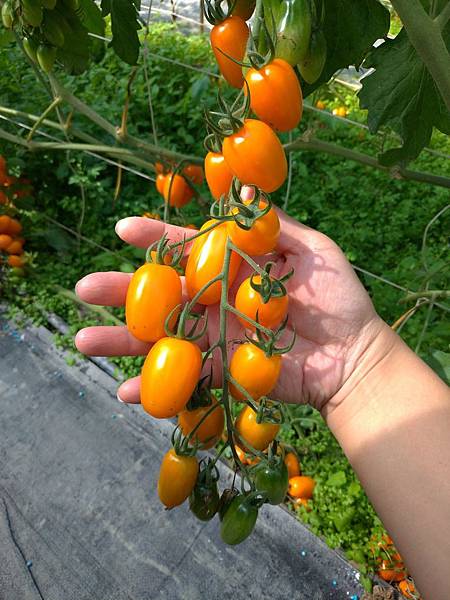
column 249, row 302
column 195, row 173
column 179, row 190
column 320, row 105
column 191, row 226
column 154, row 291
column 391, row 572
column 301, row 486
column 15, row 247
column 257, row 435
column 159, row 167
column 408, row 589
column 206, row 261
column 254, row 371
column 169, row 376
column 159, row 183
column 210, row 430
column 256, row 156
column 218, row 174
column 3, row 198
column 15, row 261
column 177, row 477
column 302, row 502
column 149, row 215
column 230, row 37
column 15, row 227
column 5, row 241
column 292, row 463
column 275, row 94
column 5, row 223
column 263, row 235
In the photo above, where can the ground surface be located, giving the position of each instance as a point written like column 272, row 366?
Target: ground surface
column 79, row 515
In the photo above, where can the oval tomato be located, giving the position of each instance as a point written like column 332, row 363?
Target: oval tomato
column 231, row 37
column 154, row 291
column 249, row 302
column 257, row 435
column 206, row 261
column 275, row 94
column 5, row 223
column 391, row 572
column 195, row 173
column 15, row 261
column 239, row 520
column 256, row 156
column 272, row 480
column 408, row 588
column 210, row 430
column 169, row 376
column 5, row 241
column 14, row 227
column 204, row 500
column 159, row 183
column 46, row 56
column 254, row 371
column 301, row 486
column 218, row 174
column 263, row 235
column 15, row 247
column 177, row 477
column 179, row 190
column 292, row 463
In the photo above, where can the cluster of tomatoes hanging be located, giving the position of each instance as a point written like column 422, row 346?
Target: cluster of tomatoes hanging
column 177, row 378
column 11, row 242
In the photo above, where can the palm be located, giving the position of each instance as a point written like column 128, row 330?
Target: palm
column 329, row 310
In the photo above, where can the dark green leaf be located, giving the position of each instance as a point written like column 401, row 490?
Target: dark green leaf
column 75, row 53
column 402, row 94
column 337, row 479
column 106, row 7
column 350, row 30
column 124, row 26
column 92, row 17
column 440, row 362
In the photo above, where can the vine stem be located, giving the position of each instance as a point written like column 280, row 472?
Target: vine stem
column 247, row 258
column 238, row 313
column 46, row 112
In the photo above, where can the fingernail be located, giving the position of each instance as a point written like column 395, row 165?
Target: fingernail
column 119, row 226
column 247, row 192
column 119, row 398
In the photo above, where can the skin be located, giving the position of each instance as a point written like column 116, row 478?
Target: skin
column 388, row 410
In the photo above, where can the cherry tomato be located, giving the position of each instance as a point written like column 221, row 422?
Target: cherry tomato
column 391, row 572
column 5, row 241
column 160, row 181
column 301, row 486
column 15, row 247
column 15, row 227
column 239, row 520
column 3, row 198
column 169, row 376
column 249, row 302
column 263, row 235
column 275, row 94
column 320, row 105
column 177, row 478
column 407, row 588
column 159, row 168
column 231, row 37
column 218, row 174
column 210, row 430
column 225, row 500
column 302, row 502
column 257, row 435
column 254, row 371
column 204, row 500
column 15, row 261
column 180, row 192
column 206, row 261
column 272, row 479
column 255, row 155
column 244, row 9
column 154, row 291
column 292, row 463
column 195, row 173
column 5, row 223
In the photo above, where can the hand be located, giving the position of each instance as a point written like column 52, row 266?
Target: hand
column 329, row 309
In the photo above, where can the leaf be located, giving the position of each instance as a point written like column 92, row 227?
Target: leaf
column 92, row 17
column 350, row 30
column 105, row 5
column 124, row 27
column 439, row 361
column 337, row 479
column 75, row 53
column 402, row 94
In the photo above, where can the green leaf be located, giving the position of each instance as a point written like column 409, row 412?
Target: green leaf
column 402, row 94
column 350, row 30
column 124, row 26
column 337, row 479
column 92, row 17
column 75, row 53
column 105, row 5
column 439, row 361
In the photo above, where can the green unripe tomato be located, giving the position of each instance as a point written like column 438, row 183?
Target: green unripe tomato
column 32, row 13
column 239, row 520
column 7, row 15
column 204, row 500
column 52, row 29
column 312, row 65
column 272, row 479
column 46, row 56
column 30, row 46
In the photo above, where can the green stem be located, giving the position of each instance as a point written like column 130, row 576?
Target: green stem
column 46, row 112
column 248, row 399
column 443, row 16
column 435, row 294
column 255, row 324
column 194, row 237
column 247, row 259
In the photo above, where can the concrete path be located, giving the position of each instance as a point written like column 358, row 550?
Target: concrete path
column 79, row 514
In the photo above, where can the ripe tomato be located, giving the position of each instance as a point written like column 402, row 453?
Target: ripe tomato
column 180, row 192
column 5, row 223
column 320, row 105
column 249, row 302
column 301, row 486
column 15, row 247
column 292, row 463
column 195, row 173
column 263, row 235
column 391, row 572
column 231, row 37
column 218, row 174
column 206, row 261
column 15, row 261
column 272, row 480
column 275, row 94
column 5, row 241
column 210, row 430
column 407, row 588
column 254, row 371
column 159, row 168
column 169, row 376
column 3, row 198
column 154, row 291
column 239, row 520
column 177, row 477
column 160, row 181
column 257, row 435
column 15, row 227
column 255, row 155
column 244, row 9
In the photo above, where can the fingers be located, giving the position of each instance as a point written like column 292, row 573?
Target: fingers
column 130, row 391
column 109, row 341
column 141, row 231
column 108, row 289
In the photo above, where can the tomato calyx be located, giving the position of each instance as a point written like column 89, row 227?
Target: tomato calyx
column 182, row 444
column 230, row 118
column 267, row 340
column 214, row 13
column 160, row 250
column 269, row 412
column 269, row 287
